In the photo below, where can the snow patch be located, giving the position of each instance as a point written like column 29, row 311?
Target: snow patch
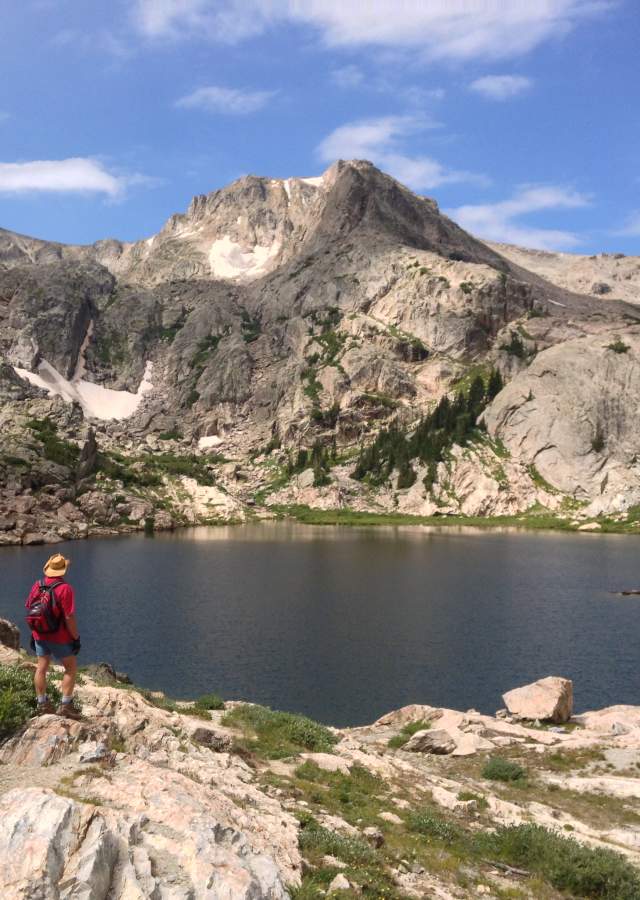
column 318, row 181
column 287, row 186
column 205, row 443
column 97, row 402
column 228, row 260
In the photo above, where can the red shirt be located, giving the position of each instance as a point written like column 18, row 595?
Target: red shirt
column 64, row 596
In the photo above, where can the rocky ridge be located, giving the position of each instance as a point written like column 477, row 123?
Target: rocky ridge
column 275, row 317
column 143, row 798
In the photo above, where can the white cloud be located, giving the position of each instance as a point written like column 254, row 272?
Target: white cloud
column 631, row 227
column 380, row 141
column 226, row 100
column 498, row 221
column 224, row 21
column 347, row 76
column 440, row 29
column 75, row 175
column 501, row 87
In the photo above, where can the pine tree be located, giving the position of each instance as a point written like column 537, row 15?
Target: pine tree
column 495, row 384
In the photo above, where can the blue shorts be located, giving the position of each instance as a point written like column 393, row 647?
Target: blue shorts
column 48, row 648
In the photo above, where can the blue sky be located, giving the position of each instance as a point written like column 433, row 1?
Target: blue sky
column 521, row 118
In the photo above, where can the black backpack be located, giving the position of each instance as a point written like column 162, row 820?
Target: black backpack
column 44, row 614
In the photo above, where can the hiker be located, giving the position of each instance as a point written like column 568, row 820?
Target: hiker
column 51, row 617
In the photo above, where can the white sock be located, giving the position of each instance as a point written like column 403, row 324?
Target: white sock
column 42, row 698
column 66, row 699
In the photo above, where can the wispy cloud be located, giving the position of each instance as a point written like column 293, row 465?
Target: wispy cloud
column 4, row 116
column 233, row 101
column 75, row 175
column 500, row 221
column 348, row 76
column 227, row 21
column 90, row 42
column 381, row 142
column 501, row 87
column 440, row 29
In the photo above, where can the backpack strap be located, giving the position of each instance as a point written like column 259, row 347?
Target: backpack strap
column 51, row 589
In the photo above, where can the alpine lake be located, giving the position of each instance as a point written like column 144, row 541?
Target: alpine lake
column 346, row 623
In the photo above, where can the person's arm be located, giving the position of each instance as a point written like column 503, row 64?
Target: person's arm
column 72, row 625
column 67, row 601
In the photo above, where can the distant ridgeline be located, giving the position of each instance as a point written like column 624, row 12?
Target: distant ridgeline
column 451, row 422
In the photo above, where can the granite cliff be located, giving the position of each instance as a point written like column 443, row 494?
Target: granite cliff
column 242, row 358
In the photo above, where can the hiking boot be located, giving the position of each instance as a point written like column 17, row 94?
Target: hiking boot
column 69, row 711
column 46, row 709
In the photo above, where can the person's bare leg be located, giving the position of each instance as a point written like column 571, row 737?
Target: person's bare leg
column 70, row 664
column 40, row 675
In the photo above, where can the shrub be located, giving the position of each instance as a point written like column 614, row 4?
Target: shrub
column 55, row 449
column 430, row 824
column 314, row 836
column 480, row 801
column 406, row 476
column 250, row 327
column 563, row 862
column 499, row 769
column 275, row 734
column 18, row 700
column 618, row 346
column 411, row 728
column 209, row 701
column 172, row 435
column 515, row 346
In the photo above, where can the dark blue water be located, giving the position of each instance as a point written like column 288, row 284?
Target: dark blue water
column 344, row 624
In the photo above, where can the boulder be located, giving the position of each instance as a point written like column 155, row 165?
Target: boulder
column 549, row 699
column 339, row 883
column 435, row 740
column 9, row 634
column 374, row 836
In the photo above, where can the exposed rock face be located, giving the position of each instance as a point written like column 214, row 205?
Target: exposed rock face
column 568, row 414
column 605, row 274
column 287, row 314
column 549, row 699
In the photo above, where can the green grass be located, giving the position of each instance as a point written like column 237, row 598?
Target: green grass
column 147, row 471
column 540, row 481
column 274, row 735
column 431, row 824
column 355, row 797
column 18, row 700
column 167, row 704
column 209, row 701
column 56, row 449
column 480, row 801
column 500, row 769
column 561, row 861
column 331, row 843
column 407, row 731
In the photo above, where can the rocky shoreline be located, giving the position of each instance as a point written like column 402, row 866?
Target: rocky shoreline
column 150, row 798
